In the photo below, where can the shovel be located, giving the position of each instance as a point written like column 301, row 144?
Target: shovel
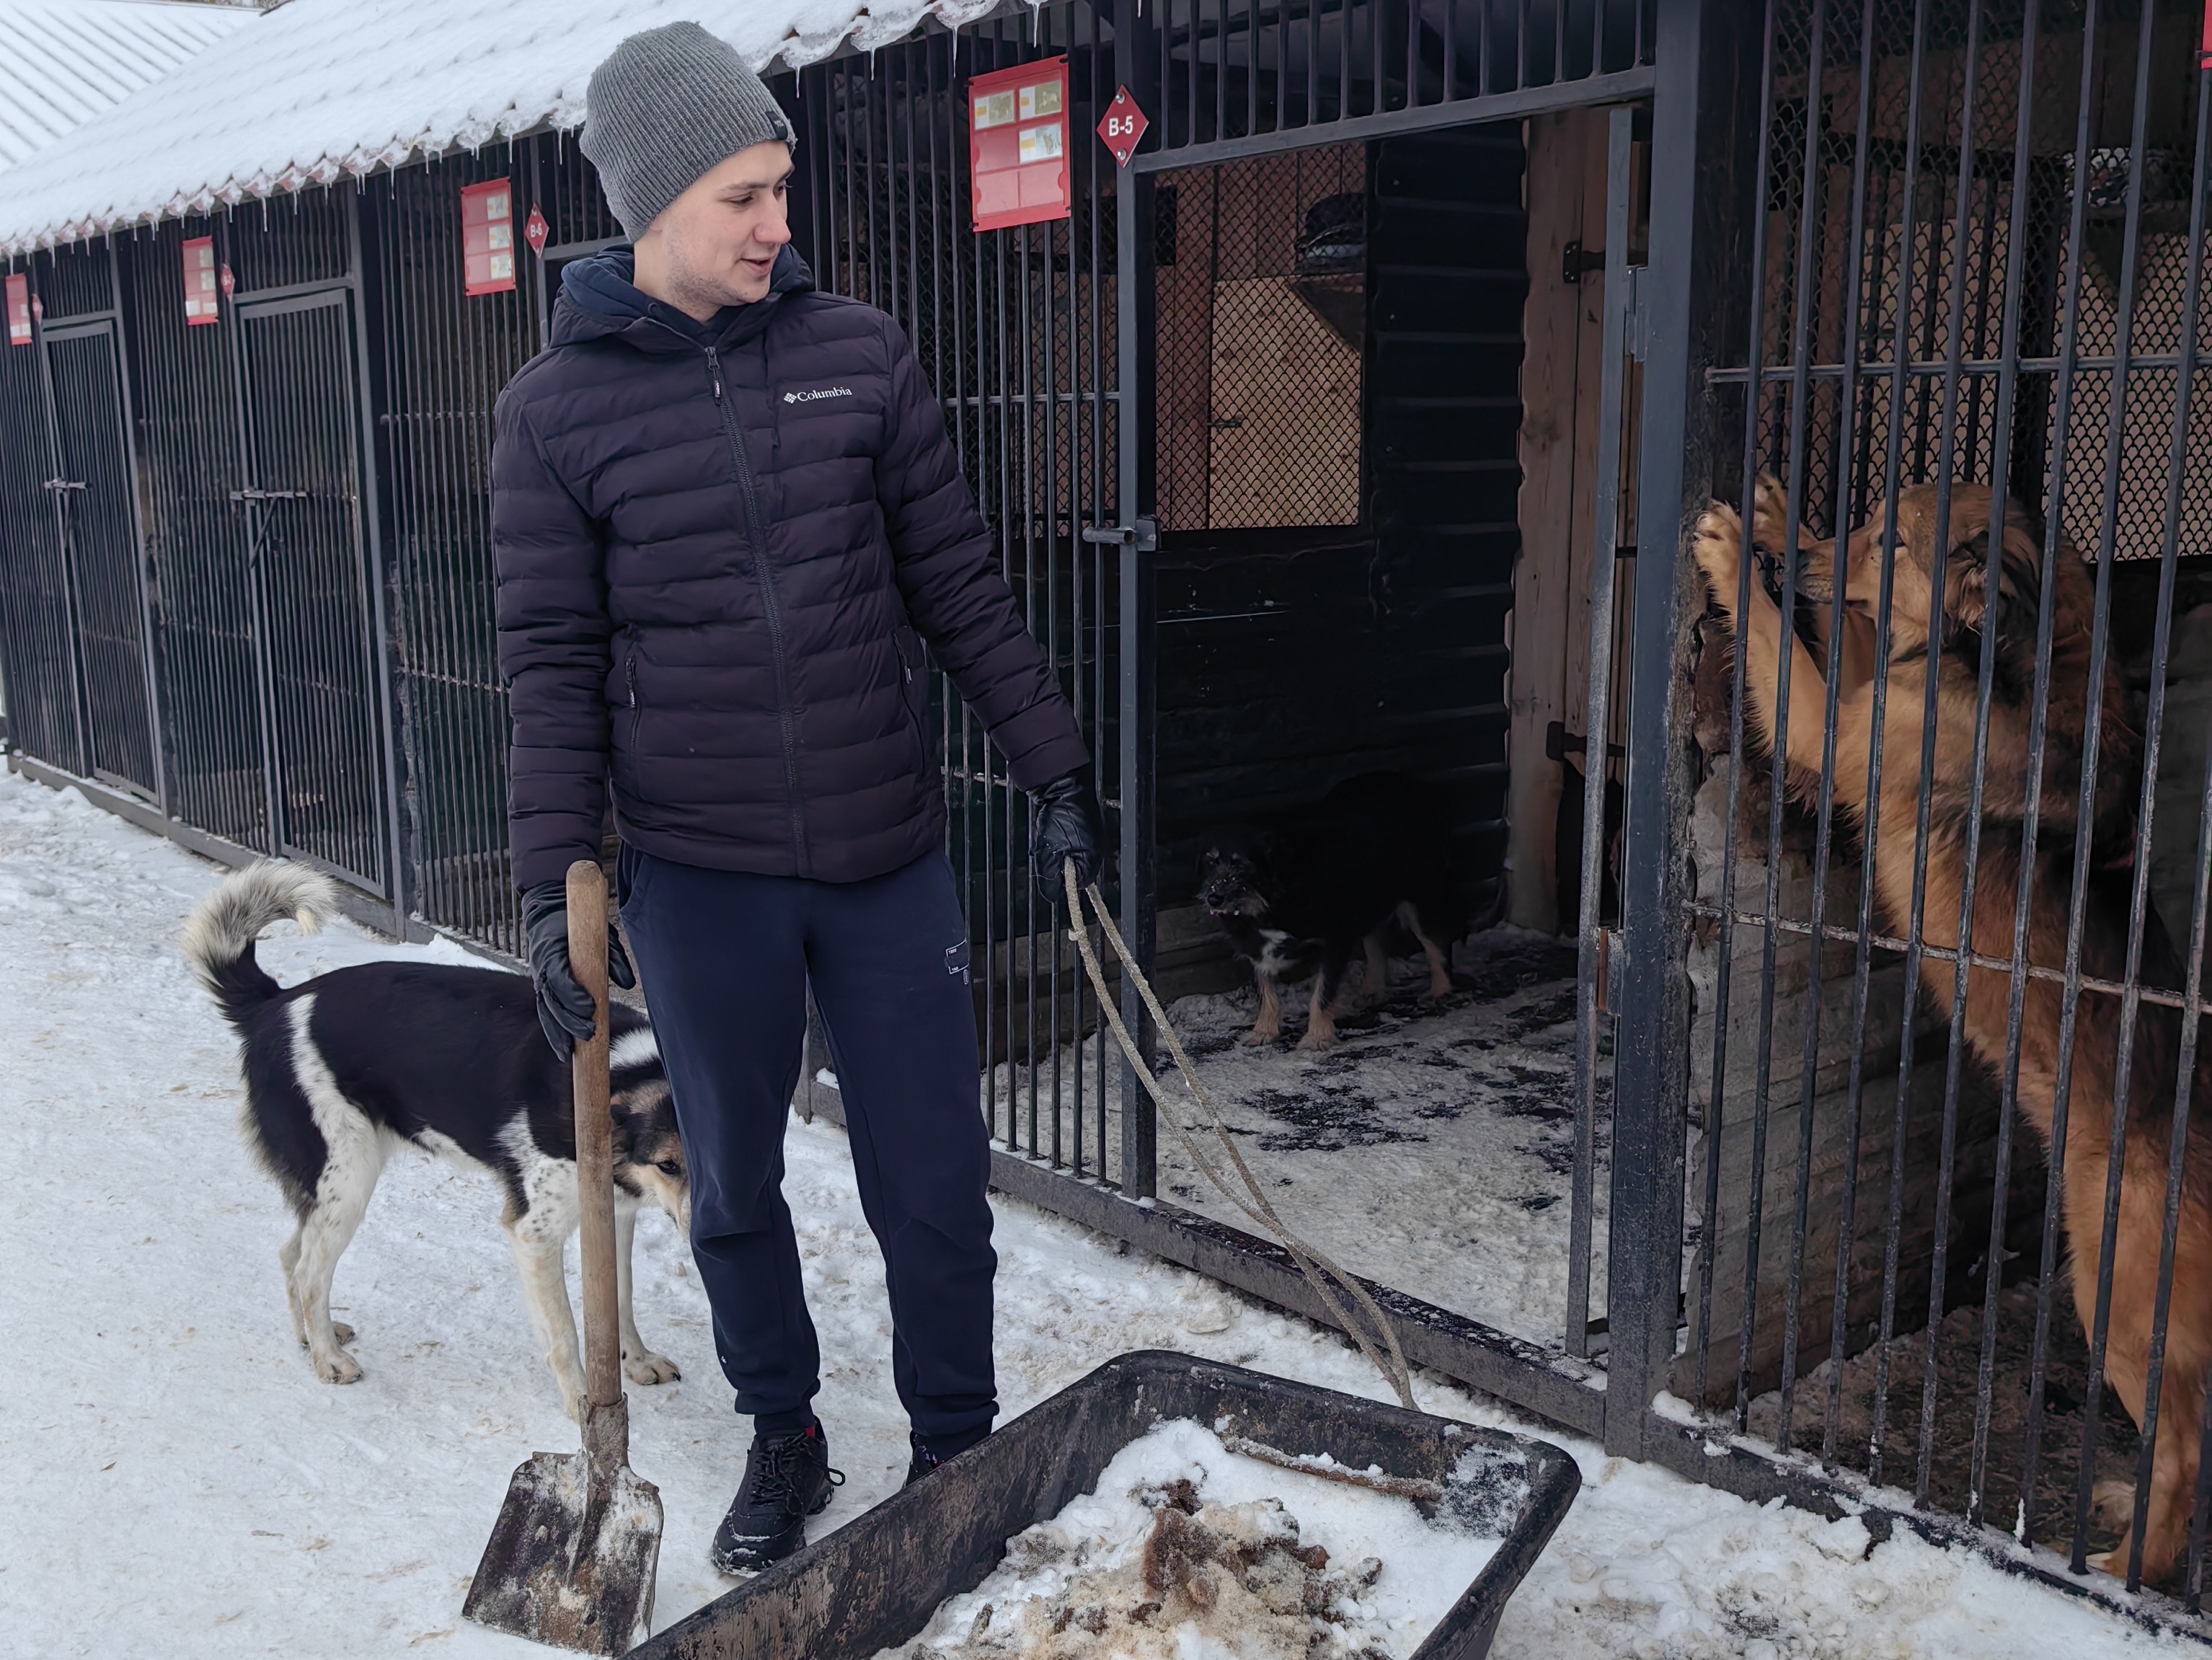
column 572, row 1557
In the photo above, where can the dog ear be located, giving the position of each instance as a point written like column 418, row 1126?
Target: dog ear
column 621, row 1130
column 2020, row 590
column 2005, row 624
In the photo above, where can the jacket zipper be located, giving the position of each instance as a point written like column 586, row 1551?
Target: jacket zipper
column 759, row 534
column 629, row 675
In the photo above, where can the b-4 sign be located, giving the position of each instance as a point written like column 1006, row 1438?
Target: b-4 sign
column 1017, row 144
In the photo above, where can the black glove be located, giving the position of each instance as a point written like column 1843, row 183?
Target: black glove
column 1068, row 826
column 564, row 1008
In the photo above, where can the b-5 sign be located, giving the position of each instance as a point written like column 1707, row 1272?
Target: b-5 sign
column 1017, row 144
column 1122, row 129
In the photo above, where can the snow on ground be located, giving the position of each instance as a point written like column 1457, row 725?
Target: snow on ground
column 1431, row 1148
column 179, row 1483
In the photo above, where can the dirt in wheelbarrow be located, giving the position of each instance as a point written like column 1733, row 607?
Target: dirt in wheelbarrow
column 1189, row 1549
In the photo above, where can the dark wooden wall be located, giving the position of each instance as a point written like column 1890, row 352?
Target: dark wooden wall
column 1290, row 660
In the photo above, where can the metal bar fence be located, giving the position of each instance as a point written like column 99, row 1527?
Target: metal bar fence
column 1016, row 329
column 1242, row 79
column 1979, row 251
column 446, row 355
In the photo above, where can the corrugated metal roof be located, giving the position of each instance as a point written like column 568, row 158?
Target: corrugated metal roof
column 62, row 62
column 323, row 89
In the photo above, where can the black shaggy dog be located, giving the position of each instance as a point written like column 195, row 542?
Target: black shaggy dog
column 1307, row 892
column 343, row 1070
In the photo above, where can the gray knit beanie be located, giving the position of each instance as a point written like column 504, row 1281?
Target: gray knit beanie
column 667, row 106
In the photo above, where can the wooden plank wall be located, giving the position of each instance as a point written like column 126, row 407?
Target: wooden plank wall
column 1558, row 454
column 1292, row 657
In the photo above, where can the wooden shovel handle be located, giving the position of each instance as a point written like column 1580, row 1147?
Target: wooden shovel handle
column 595, row 1192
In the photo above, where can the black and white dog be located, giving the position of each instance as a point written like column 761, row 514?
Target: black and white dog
column 340, row 1070
column 1302, row 895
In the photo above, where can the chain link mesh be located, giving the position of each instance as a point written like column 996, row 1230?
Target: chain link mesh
column 1262, row 275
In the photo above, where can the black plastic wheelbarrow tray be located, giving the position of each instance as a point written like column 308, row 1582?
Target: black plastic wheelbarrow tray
column 877, row 1580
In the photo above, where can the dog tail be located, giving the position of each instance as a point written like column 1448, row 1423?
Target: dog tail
column 218, row 939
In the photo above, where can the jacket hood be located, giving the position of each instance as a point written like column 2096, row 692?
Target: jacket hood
column 598, row 299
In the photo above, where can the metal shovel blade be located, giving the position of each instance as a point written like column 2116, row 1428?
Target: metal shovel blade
column 572, row 1556
column 562, row 1570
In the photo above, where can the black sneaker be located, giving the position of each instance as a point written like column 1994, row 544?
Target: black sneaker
column 925, row 1460
column 923, row 1463
column 787, row 1479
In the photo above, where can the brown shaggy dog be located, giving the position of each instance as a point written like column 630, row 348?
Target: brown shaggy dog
column 1960, row 621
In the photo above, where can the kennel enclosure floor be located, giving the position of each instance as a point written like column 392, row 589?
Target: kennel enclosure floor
column 1431, row 1149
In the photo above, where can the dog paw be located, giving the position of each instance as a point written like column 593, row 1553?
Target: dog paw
column 1439, row 988
column 2112, row 1502
column 1717, row 547
column 1770, row 514
column 1256, row 1036
column 1314, row 1040
column 342, row 1331
column 647, row 1367
column 338, row 1368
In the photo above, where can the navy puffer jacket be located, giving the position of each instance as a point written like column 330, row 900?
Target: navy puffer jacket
column 716, row 544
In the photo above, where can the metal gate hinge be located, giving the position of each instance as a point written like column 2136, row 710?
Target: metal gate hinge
column 1577, row 262
column 63, row 484
column 1143, row 536
column 1637, row 325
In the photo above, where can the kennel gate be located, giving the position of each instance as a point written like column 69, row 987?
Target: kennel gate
column 1976, row 239
column 1043, row 342
column 82, row 625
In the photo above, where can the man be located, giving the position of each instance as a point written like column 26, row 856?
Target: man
column 723, row 508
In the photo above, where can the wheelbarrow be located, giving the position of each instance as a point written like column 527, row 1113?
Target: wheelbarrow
column 877, row 1581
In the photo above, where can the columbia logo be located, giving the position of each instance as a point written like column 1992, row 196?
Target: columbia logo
column 817, row 395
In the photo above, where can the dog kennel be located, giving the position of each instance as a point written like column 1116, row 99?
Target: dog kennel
column 1360, row 421
column 1256, row 406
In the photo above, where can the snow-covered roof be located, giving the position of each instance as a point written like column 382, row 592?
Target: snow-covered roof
column 62, row 62
column 319, row 89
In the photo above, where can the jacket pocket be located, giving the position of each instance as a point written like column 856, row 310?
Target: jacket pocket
column 912, row 690
column 621, row 762
column 914, row 693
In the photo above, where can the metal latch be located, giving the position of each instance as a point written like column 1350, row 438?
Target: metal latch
column 249, row 494
column 63, row 484
column 1639, row 328
column 1142, row 536
column 1559, row 744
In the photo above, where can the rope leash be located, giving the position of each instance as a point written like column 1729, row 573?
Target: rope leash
column 1311, row 1262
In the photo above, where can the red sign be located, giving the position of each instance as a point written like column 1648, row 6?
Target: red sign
column 487, row 237
column 19, row 310
column 229, row 282
column 535, row 230
column 1017, row 144
column 2204, row 49
column 201, row 307
column 1122, row 127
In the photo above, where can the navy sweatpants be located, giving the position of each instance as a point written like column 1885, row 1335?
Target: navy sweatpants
column 726, row 959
